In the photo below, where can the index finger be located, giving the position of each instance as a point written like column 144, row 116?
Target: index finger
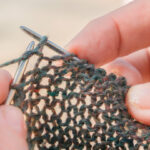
column 116, row 34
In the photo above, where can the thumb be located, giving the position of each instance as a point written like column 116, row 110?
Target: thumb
column 12, row 129
column 138, row 102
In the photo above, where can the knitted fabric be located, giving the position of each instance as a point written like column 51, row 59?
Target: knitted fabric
column 76, row 106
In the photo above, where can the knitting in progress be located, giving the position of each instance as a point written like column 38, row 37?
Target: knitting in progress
column 74, row 106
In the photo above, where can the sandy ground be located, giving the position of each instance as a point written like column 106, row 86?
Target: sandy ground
column 60, row 20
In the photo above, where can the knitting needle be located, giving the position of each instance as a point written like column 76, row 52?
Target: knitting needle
column 19, row 73
column 49, row 43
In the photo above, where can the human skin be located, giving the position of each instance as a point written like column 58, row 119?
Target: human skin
column 112, row 42
column 12, row 125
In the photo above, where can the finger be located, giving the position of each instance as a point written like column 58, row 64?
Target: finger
column 135, row 67
column 138, row 102
column 116, row 34
column 5, row 80
column 12, row 129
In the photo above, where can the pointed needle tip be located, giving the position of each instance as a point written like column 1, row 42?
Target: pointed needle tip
column 22, row 27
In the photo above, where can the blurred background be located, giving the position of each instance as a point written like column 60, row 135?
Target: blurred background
column 60, row 20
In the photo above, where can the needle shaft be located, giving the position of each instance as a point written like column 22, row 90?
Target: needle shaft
column 49, row 43
column 18, row 75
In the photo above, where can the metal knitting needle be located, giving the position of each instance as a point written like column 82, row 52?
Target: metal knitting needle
column 49, row 43
column 19, row 73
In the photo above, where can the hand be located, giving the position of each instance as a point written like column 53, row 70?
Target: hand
column 111, row 42
column 12, row 125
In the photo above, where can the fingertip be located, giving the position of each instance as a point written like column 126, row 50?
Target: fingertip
column 76, row 47
column 138, row 102
column 71, row 48
column 5, row 75
column 5, row 80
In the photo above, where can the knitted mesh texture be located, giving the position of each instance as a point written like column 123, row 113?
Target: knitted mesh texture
column 76, row 106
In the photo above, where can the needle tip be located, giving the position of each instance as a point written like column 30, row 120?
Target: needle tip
column 22, row 27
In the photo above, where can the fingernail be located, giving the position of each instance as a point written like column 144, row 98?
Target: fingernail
column 139, row 96
column 138, row 102
column 13, row 118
